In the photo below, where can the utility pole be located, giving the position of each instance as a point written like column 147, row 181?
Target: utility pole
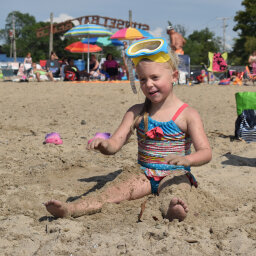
column 224, row 32
column 11, row 39
column 130, row 18
column 14, row 42
column 51, row 34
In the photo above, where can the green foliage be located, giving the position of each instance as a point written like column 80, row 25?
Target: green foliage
column 199, row 43
column 27, row 41
column 250, row 44
column 21, row 21
column 246, row 26
column 115, row 51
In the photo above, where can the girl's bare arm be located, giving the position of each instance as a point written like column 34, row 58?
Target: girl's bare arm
column 200, row 141
column 120, row 136
column 203, row 152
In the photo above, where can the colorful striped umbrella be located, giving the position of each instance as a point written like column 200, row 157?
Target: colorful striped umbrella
column 88, row 30
column 104, row 41
column 131, row 34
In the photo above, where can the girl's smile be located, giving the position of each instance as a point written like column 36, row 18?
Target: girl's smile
column 155, row 80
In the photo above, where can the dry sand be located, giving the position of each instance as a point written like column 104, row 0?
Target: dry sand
column 222, row 219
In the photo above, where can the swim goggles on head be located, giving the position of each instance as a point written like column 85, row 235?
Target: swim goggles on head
column 155, row 49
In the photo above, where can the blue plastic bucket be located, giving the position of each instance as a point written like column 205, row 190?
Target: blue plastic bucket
column 80, row 64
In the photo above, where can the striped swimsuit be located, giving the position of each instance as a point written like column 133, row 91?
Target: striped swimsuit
column 160, row 140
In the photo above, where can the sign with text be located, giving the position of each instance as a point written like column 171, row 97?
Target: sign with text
column 94, row 19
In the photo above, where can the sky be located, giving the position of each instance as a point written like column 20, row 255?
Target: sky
column 192, row 14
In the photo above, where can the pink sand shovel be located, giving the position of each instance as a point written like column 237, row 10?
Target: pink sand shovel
column 102, row 135
column 53, row 138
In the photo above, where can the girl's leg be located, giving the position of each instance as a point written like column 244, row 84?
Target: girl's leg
column 176, row 208
column 134, row 188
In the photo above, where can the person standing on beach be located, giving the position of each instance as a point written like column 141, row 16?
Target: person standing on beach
column 176, row 39
column 252, row 62
column 166, row 128
column 125, row 59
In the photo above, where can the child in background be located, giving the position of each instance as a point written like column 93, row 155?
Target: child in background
column 27, row 65
column 165, row 126
column 39, row 71
column 28, row 59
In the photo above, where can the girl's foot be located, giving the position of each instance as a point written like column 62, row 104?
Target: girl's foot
column 57, row 209
column 177, row 210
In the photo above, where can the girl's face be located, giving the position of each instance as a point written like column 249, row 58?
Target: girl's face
column 156, row 80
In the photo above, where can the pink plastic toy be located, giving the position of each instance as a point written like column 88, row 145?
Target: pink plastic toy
column 102, row 135
column 53, row 138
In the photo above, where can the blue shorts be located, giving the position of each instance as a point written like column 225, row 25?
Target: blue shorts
column 154, row 185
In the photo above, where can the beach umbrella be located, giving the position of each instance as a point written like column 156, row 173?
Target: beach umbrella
column 131, row 34
column 104, row 41
column 79, row 47
column 87, row 31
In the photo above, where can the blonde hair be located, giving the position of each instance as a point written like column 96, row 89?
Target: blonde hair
column 172, row 64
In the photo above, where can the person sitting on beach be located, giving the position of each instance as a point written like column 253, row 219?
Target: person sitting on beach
column 111, row 67
column 39, row 72
column 54, row 55
column 72, row 68
column 53, row 65
column 166, row 127
column 94, row 66
column 64, row 63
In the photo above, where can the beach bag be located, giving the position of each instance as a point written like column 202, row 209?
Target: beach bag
column 245, row 100
column 245, row 126
column 70, row 76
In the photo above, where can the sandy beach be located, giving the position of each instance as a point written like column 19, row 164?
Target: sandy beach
column 222, row 217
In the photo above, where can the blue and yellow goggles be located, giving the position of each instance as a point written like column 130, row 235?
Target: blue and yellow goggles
column 155, row 49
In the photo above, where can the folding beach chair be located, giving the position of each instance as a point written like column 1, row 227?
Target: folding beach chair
column 218, row 65
column 9, row 74
column 184, row 68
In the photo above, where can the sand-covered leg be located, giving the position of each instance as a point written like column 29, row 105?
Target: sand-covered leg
column 133, row 188
column 173, row 196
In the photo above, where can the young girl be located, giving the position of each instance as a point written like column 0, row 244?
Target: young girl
column 165, row 126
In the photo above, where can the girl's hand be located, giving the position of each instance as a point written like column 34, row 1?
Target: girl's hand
column 98, row 144
column 177, row 160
